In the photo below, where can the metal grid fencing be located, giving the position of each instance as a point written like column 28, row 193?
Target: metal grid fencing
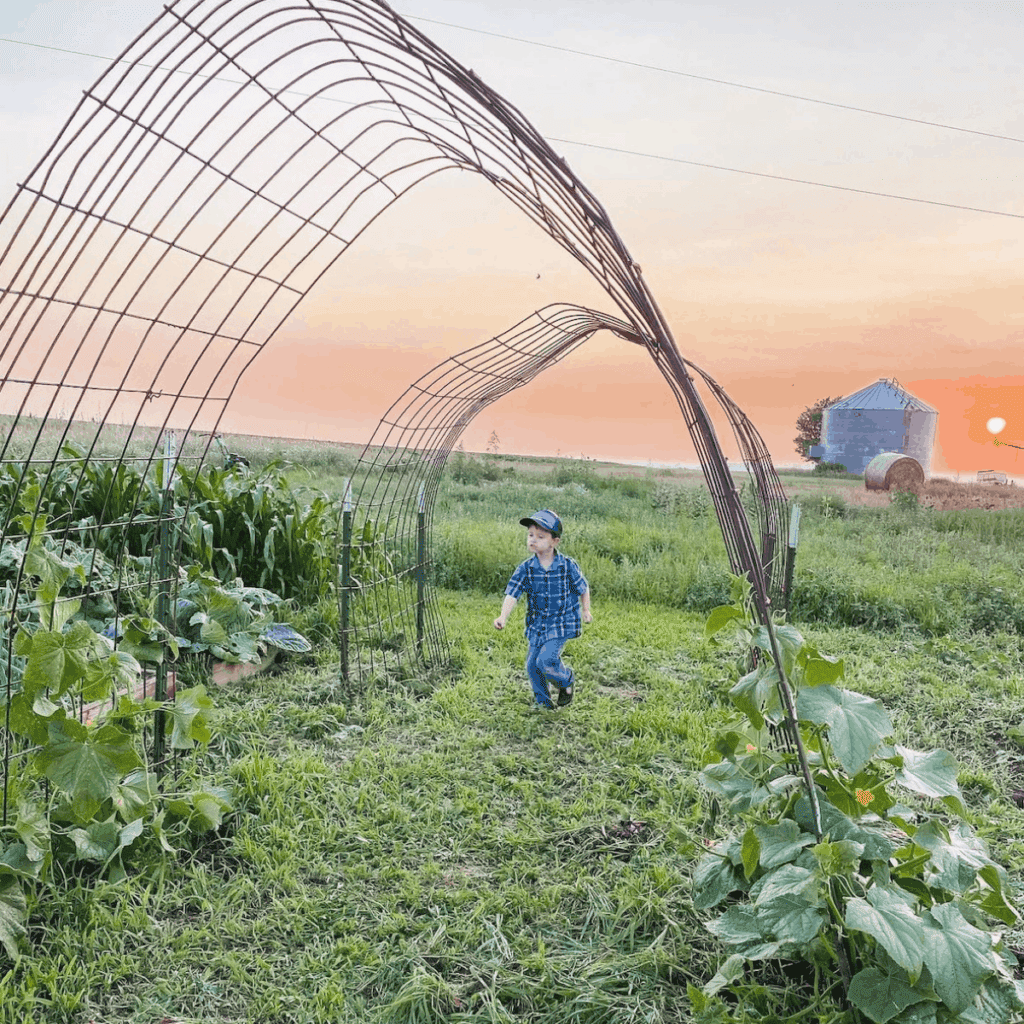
column 199, row 191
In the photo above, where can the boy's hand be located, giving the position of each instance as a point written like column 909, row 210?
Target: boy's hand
column 587, row 617
column 499, row 623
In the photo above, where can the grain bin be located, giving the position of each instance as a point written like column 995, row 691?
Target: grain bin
column 893, row 471
column 882, row 417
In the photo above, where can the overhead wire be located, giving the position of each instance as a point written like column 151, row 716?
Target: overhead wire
column 724, row 81
column 674, row 159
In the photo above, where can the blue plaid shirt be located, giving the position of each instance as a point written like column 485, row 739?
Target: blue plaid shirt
column 553, row 597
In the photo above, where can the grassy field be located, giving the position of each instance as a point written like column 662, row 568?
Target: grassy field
column 451, row 854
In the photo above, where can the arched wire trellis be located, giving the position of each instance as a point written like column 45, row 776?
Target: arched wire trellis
column 400, row 472
column 204, row 185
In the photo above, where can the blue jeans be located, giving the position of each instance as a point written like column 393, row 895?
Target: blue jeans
column 543, row 665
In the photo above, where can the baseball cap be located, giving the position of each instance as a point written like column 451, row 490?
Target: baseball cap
column 546, row 520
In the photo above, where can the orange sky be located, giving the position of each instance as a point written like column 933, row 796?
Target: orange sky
column 785, row 292
column 426, row 287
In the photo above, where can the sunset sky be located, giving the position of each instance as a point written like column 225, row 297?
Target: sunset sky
column 785, row 292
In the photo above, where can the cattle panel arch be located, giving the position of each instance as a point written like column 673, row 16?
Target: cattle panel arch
column 400, row 469
column 205, row 184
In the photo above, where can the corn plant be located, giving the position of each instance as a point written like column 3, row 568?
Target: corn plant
column 254, row 526
column 888, row 903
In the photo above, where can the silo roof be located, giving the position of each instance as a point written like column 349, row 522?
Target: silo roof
column 883, row 394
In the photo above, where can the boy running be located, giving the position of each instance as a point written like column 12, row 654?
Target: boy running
column 555, row 589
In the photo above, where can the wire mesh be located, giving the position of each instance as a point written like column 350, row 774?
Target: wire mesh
column 204, row 184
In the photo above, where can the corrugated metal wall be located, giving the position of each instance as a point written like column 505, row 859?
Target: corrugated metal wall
column 855, row 436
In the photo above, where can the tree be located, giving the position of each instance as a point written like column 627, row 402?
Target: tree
column 494, row 443
column 808, row 425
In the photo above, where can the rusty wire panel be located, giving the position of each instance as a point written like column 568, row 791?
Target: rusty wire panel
column 399, row 473
column 201, row 188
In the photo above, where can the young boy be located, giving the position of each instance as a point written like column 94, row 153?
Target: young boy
column 555, row 590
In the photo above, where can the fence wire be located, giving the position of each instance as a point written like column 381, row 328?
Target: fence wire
column 201, row 188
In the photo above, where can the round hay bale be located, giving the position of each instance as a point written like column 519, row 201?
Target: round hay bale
column 893, row 471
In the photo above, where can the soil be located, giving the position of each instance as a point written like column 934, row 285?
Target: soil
column 947, row 495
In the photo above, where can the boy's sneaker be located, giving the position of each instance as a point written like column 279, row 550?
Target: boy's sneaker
column 565, row 696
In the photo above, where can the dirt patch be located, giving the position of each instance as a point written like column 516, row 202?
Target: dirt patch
column 947, row 495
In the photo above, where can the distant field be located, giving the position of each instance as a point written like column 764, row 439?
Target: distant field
column 337, row 458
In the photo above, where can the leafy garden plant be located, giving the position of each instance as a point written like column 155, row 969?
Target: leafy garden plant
column 852, row 875
column 81, row 795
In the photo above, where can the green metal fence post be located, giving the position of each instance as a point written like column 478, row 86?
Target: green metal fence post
column 346, row 570
column 163, row 596
column 794, row 537
column 421, row 569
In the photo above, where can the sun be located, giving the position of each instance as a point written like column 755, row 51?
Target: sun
column 995, row 424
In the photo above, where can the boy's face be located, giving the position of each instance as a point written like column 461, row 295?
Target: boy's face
column 539, row 541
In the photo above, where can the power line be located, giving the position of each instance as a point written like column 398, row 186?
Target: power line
column 724, row 81
column 798, row 181
column 611, row 149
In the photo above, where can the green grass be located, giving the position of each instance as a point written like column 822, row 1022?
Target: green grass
column 445, row 853
column 459, row 856
column 393, row 854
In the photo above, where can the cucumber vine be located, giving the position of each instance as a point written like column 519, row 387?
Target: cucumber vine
column 81, row 795
column 867, row 886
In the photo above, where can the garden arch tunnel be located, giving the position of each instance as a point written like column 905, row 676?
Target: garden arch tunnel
column 208, row 181
column 401, row 466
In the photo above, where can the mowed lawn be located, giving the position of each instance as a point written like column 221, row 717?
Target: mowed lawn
column 445, row 852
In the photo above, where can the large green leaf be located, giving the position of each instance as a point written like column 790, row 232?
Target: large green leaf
column 87, row 765
column 135, row 794
column 782, row 843
column 738, row 926
column 212, row 632
column 203, row 810
column 47, row 568
column 189, row 717
column 789, row 918
column 838, row 826
column 728, row 781
column 13, row 914
column 819, row 668
column 33, row 829
column 856, row 724
column 789, row 880
column 997, row 1003
column 117, row 671
column 886, row 916
column 881, row 996
column 26, row 720
column 731, row 971
column 96, row 842
column 992, row 899
column 757, row 694
column 932, row 774
column 958, row 955
column 714, row 878
column 58, row 661
column 720, row 617
column 789, row 640
column 15, row 861
column 957, row 856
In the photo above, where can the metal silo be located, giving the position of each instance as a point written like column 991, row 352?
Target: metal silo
column 882, row 417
